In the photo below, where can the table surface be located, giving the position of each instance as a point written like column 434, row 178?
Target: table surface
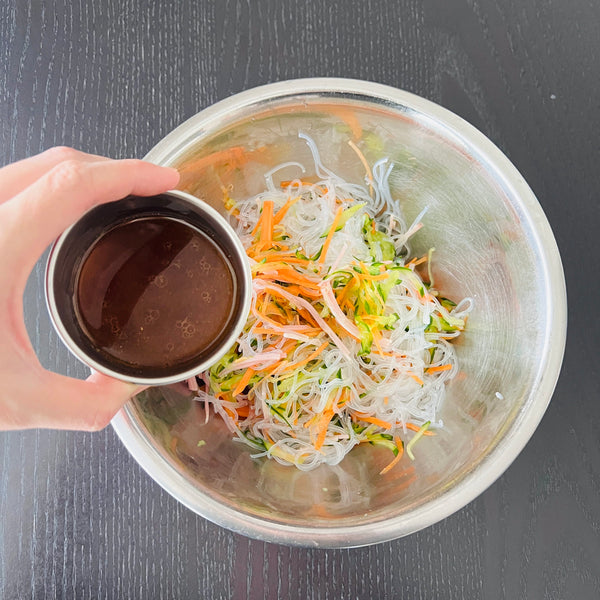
column 78, row 517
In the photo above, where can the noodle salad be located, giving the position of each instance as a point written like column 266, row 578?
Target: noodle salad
column 345, row 343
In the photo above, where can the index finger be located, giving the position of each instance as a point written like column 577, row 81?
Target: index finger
column 36, row 216
column 14, row 178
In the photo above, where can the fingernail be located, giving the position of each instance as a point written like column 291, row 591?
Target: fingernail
column 174, row 171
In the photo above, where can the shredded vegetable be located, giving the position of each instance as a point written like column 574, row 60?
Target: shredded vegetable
column 346, row 343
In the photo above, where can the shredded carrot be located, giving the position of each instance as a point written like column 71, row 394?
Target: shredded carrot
column 272, row 308
column 266, row 232
column 366, row 275
column 264, row 318
column 347, row 289
column 243, row 382
column 439, row 368
column 344, row 397
column 268, row 371
column 291, row 276
column 376, row 338
column 314, row 294
column 397, row 458
column 393, row 355
column 374, row 421
column 230, row 412
column 283, row 259
column 416, row 378
column 259, row 223
column 304, row 330
column 289, row 345
column 415, row 262
column 333, row 323
column 297, row 365
column 348, row 306
column 414, row 427
column 283, row 210
column 307, row 317
column 380, row 277
column 323, row 425
column 243, row 411
column 295, row 183
column 336, row 220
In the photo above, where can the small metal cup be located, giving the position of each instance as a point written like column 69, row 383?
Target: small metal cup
column 70, row 249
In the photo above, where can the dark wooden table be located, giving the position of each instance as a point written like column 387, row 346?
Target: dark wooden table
column 78, row 517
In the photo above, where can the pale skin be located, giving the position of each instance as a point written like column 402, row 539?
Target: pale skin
column 39, row 198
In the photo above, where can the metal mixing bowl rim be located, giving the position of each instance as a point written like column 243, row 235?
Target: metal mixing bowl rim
column 472, row 483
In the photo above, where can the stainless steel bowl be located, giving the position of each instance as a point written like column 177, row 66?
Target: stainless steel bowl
column 493, row 243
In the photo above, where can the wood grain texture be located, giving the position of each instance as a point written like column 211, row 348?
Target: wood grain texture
column 78, row 517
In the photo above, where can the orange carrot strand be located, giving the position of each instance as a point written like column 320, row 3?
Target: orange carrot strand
column 439, row 368
column 283, row 210
column 397, row 458
column 243, row 382
column 336, row 220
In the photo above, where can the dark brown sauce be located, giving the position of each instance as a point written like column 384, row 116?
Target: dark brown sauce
column 154, row 293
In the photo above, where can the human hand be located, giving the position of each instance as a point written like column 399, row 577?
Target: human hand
column 39, row 198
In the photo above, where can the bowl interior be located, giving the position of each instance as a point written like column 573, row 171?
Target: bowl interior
column 487, row 247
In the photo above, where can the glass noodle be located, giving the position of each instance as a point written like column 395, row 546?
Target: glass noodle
column 346, row 343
